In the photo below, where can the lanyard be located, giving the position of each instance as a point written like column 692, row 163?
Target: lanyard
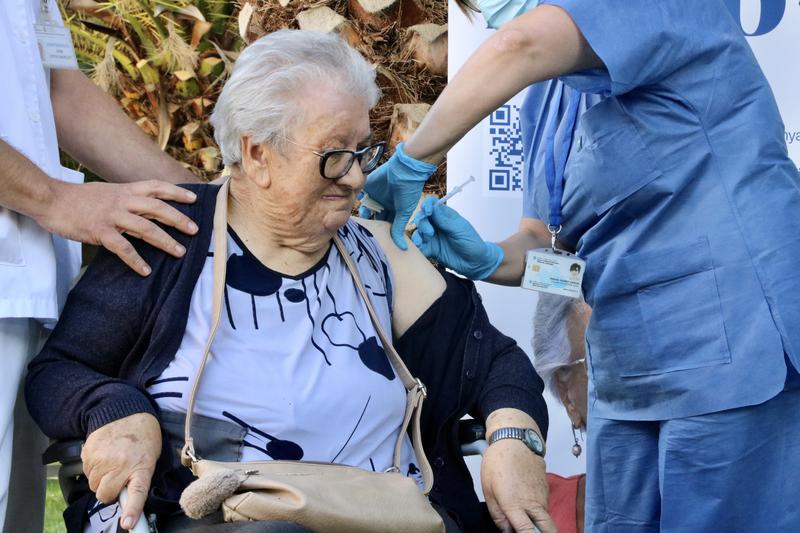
column 44, row 12
column 554, row 174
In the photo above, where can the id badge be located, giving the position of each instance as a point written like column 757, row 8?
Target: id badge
column 554, row 271
column 55, row 46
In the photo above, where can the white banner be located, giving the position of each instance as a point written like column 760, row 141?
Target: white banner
column 493, row 149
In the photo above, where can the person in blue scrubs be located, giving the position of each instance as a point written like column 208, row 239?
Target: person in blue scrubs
column 679, row 193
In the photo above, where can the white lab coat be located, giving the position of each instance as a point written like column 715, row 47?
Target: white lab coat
column 36, row 268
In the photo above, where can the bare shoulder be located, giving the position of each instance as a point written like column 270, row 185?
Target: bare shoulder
column 400, row 259
column 417, row 284
column 378, row 228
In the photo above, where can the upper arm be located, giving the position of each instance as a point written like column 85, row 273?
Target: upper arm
column 75, row 381
column 551, row 41
column 417, row 284
column 639, row 43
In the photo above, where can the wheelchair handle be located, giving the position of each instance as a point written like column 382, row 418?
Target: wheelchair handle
column 141, row 526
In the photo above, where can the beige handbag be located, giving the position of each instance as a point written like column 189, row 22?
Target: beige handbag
column 321, row 496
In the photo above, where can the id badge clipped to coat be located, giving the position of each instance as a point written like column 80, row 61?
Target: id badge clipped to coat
column 554, row 271
column 549, row 269
column 55, row 42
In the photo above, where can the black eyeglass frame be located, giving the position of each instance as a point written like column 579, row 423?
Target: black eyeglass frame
column 354, row 155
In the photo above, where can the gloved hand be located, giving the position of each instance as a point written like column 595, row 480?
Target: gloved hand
column 397, row 186
column 445, row 236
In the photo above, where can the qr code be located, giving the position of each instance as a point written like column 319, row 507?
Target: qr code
column 506, row 156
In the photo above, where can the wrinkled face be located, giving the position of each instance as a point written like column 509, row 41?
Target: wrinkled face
column 298, row 196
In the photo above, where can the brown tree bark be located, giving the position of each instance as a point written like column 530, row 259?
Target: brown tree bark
column 381, row 14
column 427, row 44
column 405, row 119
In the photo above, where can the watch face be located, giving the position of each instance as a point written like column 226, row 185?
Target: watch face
column 533, row 441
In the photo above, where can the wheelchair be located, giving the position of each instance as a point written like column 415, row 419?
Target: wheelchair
column 73, row 483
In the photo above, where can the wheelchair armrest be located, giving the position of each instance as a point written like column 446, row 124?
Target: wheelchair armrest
column 470, row 430
column 63, row 451
column 70, row 474
column 472, row 437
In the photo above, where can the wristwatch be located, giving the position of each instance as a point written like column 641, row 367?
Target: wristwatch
column 531, row 439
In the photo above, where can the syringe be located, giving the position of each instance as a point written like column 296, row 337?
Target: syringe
column 457, row 189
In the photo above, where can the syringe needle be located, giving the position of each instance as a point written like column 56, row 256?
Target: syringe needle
column 457, row 189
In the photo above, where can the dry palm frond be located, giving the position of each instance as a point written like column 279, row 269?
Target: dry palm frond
column 105, row 73
column 175, row 53
column 131, row 48
column 159, row 37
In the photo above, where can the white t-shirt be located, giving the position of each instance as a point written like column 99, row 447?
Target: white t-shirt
column 296, row 360
column 36, row 268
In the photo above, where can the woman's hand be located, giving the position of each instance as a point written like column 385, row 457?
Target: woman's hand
column 123, row 453
column 397, row 185
column 515, row 486
column 445, row 236
column 513, row 478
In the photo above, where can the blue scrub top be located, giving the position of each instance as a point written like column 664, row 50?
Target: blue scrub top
column 680, row 194
column 544, row 104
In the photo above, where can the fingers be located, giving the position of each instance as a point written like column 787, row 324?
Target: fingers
column 444, row 215
column 364, row 212
column 122, row 248
column 543, row 521
column 428, row 205
column 108, row 486
column 158, row 210
column 398, row 230
column 138, row 487
column 149, row 232
column 426, row 209
column 162, row 190
column 417, row 240
column 424, row 227
column 520, row 521
column 423, row 245
column 498, row 517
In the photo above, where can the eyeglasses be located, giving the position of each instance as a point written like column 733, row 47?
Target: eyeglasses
column 472, row 6
column 334, row 164
column 581, row 361
column 556, row 366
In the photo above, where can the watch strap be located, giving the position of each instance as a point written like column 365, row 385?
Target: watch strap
column 517, row 434
column 507, row 433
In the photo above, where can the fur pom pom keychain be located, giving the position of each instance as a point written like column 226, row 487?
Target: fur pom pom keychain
column 205, row 495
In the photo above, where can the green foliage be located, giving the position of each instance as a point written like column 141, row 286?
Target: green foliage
column 164, row 60
column 54, row 507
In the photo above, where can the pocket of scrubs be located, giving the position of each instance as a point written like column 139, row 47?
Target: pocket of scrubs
column 676, row 291
column 611, row 160
column 10, row 240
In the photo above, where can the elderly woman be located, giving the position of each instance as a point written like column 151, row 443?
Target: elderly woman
column 559, row 350
column 297, row 372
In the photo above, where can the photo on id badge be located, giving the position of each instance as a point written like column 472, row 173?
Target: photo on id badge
column 554, row 272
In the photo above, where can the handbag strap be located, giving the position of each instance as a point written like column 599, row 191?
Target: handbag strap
column 220, row 239
column 415, row 390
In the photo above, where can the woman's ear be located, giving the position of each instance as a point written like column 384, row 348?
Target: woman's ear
column 255, row 161
column 562, row 382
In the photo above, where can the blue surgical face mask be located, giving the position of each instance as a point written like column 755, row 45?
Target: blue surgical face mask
column 498, row 12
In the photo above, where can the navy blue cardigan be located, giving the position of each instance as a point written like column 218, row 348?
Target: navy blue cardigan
column 119, row 330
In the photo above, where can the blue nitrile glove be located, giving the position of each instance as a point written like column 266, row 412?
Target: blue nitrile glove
column 445, row 236
column 397, row 186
